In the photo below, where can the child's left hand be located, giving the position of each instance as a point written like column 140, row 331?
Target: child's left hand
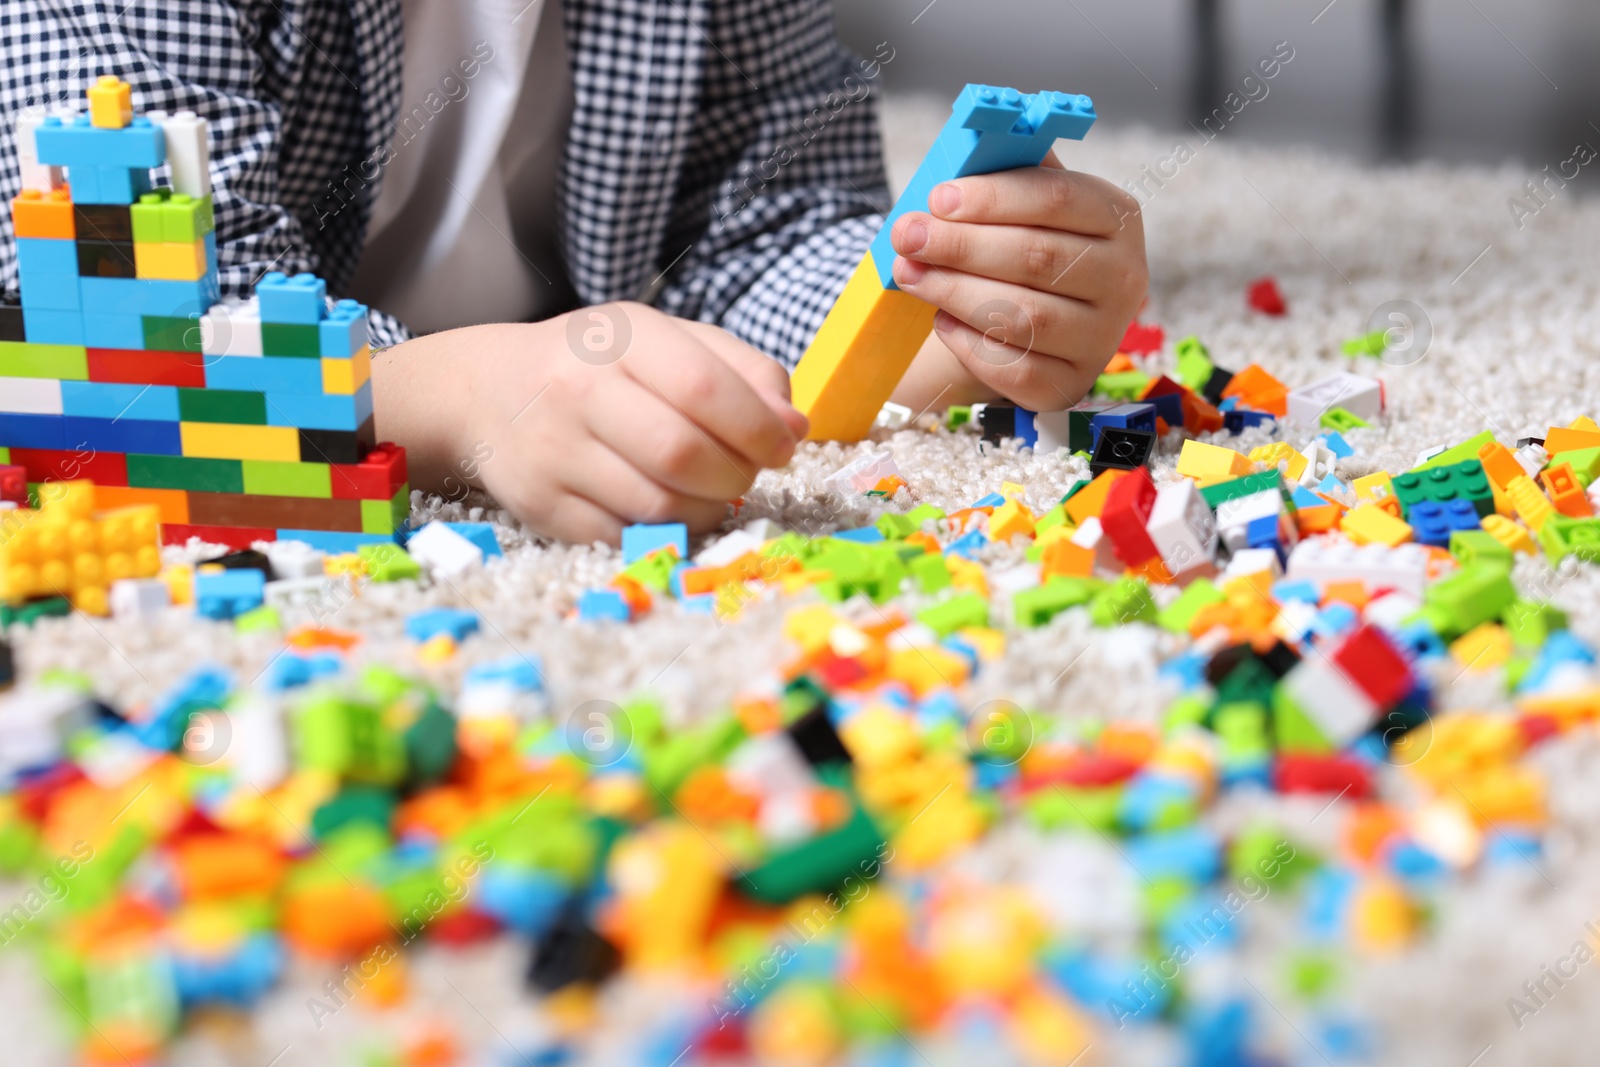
column 1037, row 273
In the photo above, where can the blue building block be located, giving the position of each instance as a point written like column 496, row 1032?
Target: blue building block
column 1193, row 854
column 291, row 671
column 301, row 300
column 1124, row 417
column 344, row 332
column 332, row 542
column 138, row 146
column 968, row 545
column 50, row 292
column 228, row 594
column 320, row 411
column 1432, row 522
column 988, row 500
column 597, row 604
column 1303, row 591
column 480, row 534
column 264, row 374
column 639, row 541
column 99, row 400
column 1025, row 427
column 108, row 185
column 426, row 625
column 1238, row 420
column 866, row 535
column 125, row 435
column 33, row 431
column 1169, row 406
column 526, row 900
column 211, row 252
column 113, row 331
column 990, row 129
column 47, row 256
column 44, row 327
column 521, row 673
column 142, row 296
column 1336, row 444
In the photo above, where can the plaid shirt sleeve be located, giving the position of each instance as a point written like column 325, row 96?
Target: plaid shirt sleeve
column 285, row 113
column 783, row 186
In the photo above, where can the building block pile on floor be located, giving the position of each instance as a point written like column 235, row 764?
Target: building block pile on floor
column 793, row 863
column 239, row 421
column 869, row 338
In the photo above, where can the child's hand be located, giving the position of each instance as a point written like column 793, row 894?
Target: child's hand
column 590, row 421
column 1036, row 272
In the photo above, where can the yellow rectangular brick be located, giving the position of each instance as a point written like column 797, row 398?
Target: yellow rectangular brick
column 208, row 440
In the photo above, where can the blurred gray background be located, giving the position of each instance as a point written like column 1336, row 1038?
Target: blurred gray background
column 1455, row 80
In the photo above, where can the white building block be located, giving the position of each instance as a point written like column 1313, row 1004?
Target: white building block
column 1248, row 561
column 294, row 559
column 1182, row 527
column 232, row 328
column 30, row 396
column 1391, row 610
column 1533, row 459
column 1320, row 462
column 35, row 175
column 1361, row 396
column 189, row 153
column 1235, row 516
column 1054, row 429
column 35, row 723
column 258, row 751
column 1321, row 560
column 863, row 475
column 1337, row 705
column 138, row 598
column 443, row 552
column 893, row 416
column 1090, row 535
column 724, row 550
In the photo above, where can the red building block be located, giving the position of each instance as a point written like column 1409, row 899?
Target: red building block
column 1265, row 297
column 51, row 465
column 236, row 537
column 130, row 367
column 14, row 484
column 1142, row 340
column 1305, row 773
column 1125, row 515
column 1368, row 659
column 378, row 477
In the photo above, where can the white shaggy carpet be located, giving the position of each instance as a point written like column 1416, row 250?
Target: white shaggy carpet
column 1514, row 348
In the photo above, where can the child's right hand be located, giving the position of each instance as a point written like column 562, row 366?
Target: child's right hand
column 591, row 421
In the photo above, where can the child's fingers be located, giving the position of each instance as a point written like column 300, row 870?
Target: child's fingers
column 765, row 374
column 614, row 483
column 1037, row 196
column 637, row 423
column 1051, row 261
column 1033, row 379
column 566, row 516
column 705, row 390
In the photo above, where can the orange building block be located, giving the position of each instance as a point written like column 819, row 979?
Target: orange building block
column 1566, row 492
column 1088, row 501
column 1255, row 387
column 172, row 505
column 1499, row 464
column 1568, row 438
column 36, row 215
column 859, row 355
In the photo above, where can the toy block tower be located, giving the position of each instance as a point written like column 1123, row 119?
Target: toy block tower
column 239, row 420
column 863, row 348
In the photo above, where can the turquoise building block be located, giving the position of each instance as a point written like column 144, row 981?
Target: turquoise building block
column 46, row 256
column 142, row 296
column 990, row 129
column 51, row 292
column 264, row 374
column 138, row 146
column 44, row 326
column 107, row 185
column 640, row 541
column 335, row 543
column 113, row 331
column 317, row 411
column 102, row 400
column 298, row 301
column 344, row 332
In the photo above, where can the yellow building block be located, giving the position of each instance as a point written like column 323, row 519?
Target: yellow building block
column 1533, row 507
column 110, row 103
column 859, row 355
column 1371, row 524
column 63, row 550
column 174, row 261
column 1206, row 463
column 1009, row 520
column 1482, row 648
column 345, row 377
column 207, row 440
column 1509, row 533
column 1377, row 486
column 1279, row 452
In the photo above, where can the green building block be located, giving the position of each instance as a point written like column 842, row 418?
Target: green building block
column 668, row 763
column 5, row 455
column 1314, row 972
column 924, row 513
column 1127, row 386
column 1372, row 344
column 930, row 572
column 1442, row 484
column 291, row 339
column 354, row 803
column 1198, row 594
column 1530, row 624
column 1064, row 807
column 896, row 527
column 1190, row 709
column 1585, row 464
column 1241, row 726
column 1293, row 730
column 1341, row 419
column 167, row 333
column 390, row 563
column 230, row 406
column 1562, row 535
column 1037, row 606
column 1234, row 488
column 1265, row 853
column 1194, row 363
column 1473, row 546
column 161, row 217
column 1249, row 683
column 186, row 472
column 20, row 359
column 957, row 613
column 1050, row 519
column 1472, row 595
column 1466, row 450
column 264, row 619
column 430, row 744
column 386, row 516
column 1126, row 600
column 52, row 607
column 269, row 478
column 821, row 863
column 957, row 415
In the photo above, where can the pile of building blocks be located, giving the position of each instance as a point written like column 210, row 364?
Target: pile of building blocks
column 239, row 421
column 72, row 548
column 873, row 332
